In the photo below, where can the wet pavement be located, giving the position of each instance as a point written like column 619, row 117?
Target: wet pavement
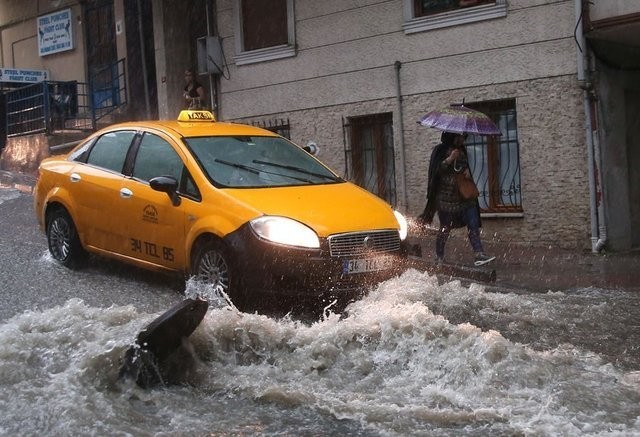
column 21, row 181
column 536, row 268
column 517, row 266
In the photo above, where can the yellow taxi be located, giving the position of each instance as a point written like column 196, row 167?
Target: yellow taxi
column 235, row 205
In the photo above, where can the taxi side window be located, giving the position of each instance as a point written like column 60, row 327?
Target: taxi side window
column 188, row 186
column 155, row 158
column 110, row 150
column 81, row 154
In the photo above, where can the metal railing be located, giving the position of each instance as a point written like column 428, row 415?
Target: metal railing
column 108, row 89
column 52, row 106
column 48, row 106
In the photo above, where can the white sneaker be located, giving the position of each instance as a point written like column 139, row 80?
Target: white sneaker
column 482, row 259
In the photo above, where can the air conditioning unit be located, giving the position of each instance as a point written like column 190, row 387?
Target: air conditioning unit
column 210, row 59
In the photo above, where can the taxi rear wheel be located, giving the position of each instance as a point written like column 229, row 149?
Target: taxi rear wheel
column 63, row 240
column 213, row 265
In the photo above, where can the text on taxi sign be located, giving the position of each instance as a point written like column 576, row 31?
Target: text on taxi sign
column 196, row 116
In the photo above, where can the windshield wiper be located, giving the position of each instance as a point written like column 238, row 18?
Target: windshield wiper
column 257, row 171
column 298, row 169
column 236, row 165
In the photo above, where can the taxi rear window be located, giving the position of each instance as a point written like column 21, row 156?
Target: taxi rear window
column 110, row 150
column 244, row 161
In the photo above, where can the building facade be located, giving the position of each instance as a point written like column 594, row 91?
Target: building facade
column 560, row 78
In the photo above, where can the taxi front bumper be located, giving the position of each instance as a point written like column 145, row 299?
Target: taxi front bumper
column 277, row 270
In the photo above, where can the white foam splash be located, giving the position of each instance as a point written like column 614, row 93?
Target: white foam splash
column 393, row 364
column 389, row 365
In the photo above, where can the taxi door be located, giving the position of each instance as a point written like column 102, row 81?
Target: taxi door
column 151, row 228
column 94, row 186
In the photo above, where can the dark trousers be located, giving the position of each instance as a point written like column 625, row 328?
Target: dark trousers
column 469, row 217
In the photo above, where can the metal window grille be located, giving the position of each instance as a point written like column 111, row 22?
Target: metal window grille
column 279, row 126
column 369, row 154
column 495, row 161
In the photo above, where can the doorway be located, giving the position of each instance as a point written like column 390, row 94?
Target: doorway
column 141, row 61
column 101, row 53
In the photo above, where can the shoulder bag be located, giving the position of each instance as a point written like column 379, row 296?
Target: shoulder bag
column 466, row 187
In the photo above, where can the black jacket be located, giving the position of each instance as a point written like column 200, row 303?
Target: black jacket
column 438, row 155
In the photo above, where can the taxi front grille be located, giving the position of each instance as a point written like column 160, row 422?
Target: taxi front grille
column 357, row 243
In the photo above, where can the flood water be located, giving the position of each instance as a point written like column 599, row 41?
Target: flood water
column 417, row 356
column 390, row 366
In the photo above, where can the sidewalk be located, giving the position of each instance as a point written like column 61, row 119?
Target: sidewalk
column 539, row 269
column 532, row 268
column 19, row 181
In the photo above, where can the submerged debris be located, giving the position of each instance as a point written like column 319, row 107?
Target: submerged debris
column 144, row 360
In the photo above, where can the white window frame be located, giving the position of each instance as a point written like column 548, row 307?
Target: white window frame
column 472, row 14
column 243, row 57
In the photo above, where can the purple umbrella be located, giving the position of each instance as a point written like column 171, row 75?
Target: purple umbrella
column 458, row 118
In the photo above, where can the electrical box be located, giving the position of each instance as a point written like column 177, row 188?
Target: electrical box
column 210, row 59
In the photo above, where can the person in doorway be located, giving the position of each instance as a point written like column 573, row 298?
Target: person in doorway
column 448, row 158
column 194, row 93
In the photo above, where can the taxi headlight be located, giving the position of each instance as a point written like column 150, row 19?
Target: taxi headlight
column 403, row 225
column 283, row 230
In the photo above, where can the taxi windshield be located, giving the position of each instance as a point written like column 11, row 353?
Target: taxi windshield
column 243, row 161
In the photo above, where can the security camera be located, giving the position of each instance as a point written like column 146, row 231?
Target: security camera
column 311, row 148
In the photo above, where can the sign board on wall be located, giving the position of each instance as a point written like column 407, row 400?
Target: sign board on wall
column 23, row 75
column 55, row 32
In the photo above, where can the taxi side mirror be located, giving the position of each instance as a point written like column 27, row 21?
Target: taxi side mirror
column 166, row 184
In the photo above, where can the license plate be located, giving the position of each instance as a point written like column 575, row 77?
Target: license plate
column 351, row 266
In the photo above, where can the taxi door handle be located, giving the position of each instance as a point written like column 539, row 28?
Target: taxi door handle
column 125, row 193
column 75, row 177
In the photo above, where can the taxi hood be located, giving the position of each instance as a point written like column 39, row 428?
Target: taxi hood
column 327, row 209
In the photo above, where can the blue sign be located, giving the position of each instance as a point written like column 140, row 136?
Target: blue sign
column 55, row 32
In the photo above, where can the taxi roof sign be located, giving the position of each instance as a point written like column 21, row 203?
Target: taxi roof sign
column 191, row 115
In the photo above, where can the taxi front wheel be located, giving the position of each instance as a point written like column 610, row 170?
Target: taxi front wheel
column 213, row 265
column 63, row 240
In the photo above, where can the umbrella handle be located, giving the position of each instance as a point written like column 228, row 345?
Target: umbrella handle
column 455, row 166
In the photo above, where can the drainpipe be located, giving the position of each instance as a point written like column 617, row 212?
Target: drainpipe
column 211, row 12
column 403, row 168
column 143, row 55
column 599, row 243
column 598, row 223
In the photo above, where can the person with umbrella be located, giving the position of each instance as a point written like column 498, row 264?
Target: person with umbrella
column 449, row 162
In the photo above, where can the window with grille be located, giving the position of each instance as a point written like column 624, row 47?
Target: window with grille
column 495, row 160
column 370, row 156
